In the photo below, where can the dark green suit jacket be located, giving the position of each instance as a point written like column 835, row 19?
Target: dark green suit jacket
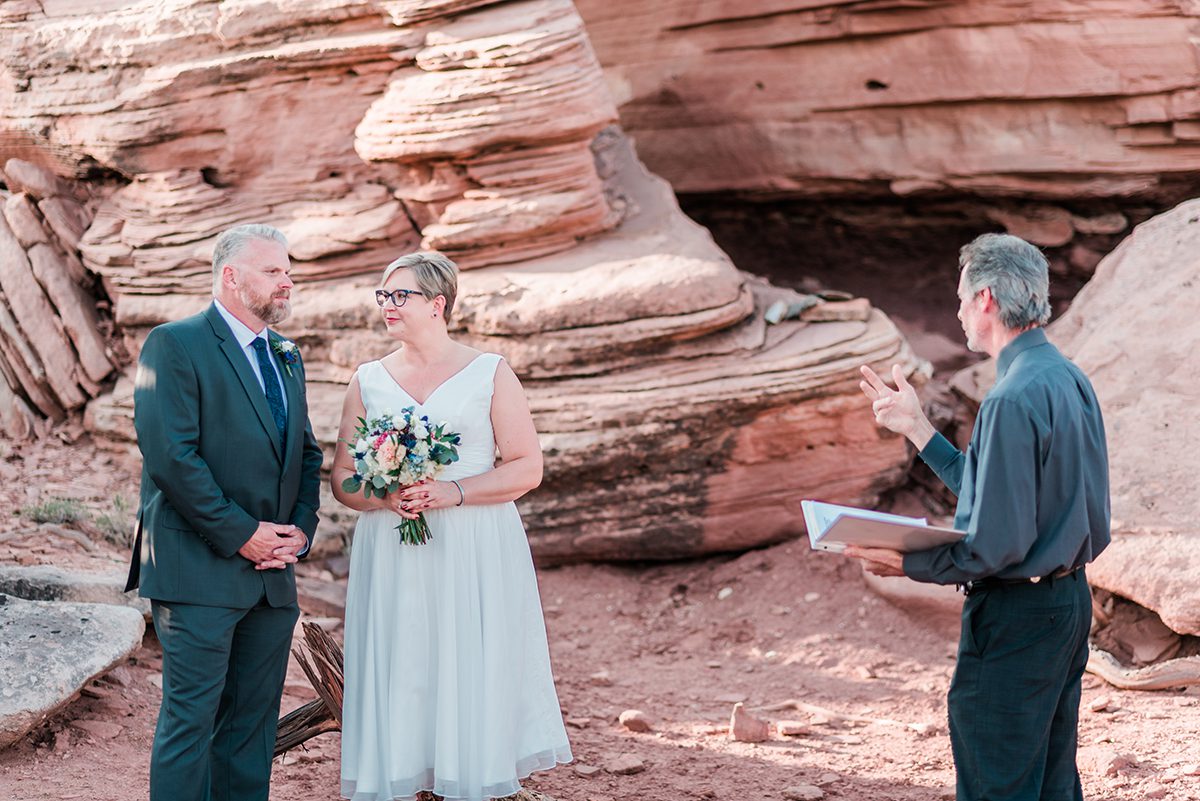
column 213, row 467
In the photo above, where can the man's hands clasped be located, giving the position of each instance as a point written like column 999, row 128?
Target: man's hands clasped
column 274, row 546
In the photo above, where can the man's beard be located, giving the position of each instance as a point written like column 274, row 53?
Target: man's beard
column 264, row 307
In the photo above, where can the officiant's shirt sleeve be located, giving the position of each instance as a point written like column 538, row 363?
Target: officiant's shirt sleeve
column 998, row 498
column 945, row 460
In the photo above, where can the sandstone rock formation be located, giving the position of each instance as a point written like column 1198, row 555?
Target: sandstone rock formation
column 856, row 97
column 47, row 583
column 1060, row 121
column 53, row 353
column 1132, row 330
column 675, row 421
column 52, row 649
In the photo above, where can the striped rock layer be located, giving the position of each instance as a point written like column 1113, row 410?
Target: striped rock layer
column 674, row 420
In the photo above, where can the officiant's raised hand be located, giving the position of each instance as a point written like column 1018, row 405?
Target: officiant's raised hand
column 897, row 409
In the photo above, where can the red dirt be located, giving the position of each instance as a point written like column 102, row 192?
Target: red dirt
column 796, row 625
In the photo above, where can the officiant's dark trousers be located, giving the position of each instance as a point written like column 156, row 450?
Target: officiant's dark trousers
column 223, row 672
column 1014, row 699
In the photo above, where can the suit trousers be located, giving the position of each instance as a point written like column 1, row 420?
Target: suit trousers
column 1014, row 699
column 223, row 672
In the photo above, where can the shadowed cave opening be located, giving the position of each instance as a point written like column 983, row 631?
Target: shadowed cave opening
column 901, row 254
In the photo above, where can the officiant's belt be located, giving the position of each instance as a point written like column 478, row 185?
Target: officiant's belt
column 994, row 581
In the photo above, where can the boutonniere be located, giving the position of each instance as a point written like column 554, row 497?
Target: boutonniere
column 287, row 351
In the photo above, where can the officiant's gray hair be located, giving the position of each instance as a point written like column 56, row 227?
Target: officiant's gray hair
column 231, row 243
column 434, row 273
column 1017, row 274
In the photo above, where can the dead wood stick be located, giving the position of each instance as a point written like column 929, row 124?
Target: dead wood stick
column 1182, row 672
column 320, row 658
column 832, row 716
column 69, row 534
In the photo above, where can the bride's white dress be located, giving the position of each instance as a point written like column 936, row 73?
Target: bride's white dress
column 448, row 684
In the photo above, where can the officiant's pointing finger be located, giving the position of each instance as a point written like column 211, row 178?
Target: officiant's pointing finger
column 899, row 409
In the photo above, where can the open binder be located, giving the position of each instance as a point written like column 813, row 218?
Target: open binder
column 832, row 528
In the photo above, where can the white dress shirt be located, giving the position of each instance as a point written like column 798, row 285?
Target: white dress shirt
column 245, row 338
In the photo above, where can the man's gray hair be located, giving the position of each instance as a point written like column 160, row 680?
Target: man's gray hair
column 232, row 242
column 434, row 273
column 1017, row 274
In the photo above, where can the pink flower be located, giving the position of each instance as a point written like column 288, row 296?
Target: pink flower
column 386, row 454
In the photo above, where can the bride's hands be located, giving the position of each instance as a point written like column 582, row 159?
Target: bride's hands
column 395, row 502
column 427, row 495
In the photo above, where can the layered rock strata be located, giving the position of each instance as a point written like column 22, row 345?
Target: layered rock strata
column 53, row 350
column 1064, row 121
column 1131, row 330
column 1025, row 99
column 675, row 421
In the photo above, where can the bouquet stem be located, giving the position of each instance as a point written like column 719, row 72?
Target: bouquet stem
column 414, row 532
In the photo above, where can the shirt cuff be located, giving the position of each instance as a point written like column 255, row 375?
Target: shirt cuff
column 939, row 453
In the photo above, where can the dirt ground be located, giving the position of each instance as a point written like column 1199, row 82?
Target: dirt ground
column 682, row 642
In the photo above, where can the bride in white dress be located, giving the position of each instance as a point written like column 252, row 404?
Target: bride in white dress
column 448, row 683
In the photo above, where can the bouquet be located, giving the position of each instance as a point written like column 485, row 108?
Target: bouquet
column 398, row 450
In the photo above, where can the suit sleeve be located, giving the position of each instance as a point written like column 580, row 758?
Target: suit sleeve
column 166, row 416
column 1003, row 523
column 304, row 515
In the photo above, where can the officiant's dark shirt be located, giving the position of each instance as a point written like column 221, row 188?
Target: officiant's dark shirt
column 1033, row 485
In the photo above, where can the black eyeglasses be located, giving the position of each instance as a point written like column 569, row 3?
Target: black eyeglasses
column 398, row 297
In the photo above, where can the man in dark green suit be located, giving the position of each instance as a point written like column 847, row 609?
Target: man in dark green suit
column 230, row 490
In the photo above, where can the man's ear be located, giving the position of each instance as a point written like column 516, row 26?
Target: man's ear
column 229, row 276
column 989, row 300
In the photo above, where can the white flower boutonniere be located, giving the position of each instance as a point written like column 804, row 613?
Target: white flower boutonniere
column 287, row 351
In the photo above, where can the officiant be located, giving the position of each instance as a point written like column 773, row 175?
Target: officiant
column 1033, row 498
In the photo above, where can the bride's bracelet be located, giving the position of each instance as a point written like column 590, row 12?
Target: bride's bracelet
column 462, row 496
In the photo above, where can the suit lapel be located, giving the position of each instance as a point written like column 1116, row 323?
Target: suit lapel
column 241, row 367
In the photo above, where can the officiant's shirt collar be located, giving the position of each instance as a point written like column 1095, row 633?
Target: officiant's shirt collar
column 1029, row 339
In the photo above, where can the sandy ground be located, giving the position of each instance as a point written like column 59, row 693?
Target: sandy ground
column 682, row 642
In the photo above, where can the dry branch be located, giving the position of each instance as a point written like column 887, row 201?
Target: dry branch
column 838, row 717
column 1181, row 672
column 321, row 659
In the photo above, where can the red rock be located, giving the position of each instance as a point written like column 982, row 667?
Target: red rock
column 635, row 720
column 99, row 728
column 625, row 765
column 1103, row 760
column 1126, row 84
column 24, row 176
column 745, row 728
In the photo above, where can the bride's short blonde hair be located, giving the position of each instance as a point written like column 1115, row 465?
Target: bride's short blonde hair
column 434, row 273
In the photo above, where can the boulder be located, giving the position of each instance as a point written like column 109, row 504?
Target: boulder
column 1131, row 330
column 52, row 650
column 674, row 419
column 54, row 356
column 48, row 583
column 846, row 97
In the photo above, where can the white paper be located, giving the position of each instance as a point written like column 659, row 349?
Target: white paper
column 819, row 517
